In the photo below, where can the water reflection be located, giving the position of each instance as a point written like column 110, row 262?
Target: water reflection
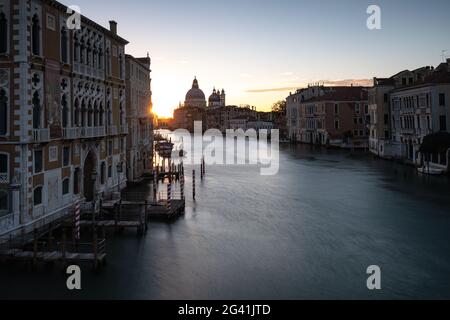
column 309, row 232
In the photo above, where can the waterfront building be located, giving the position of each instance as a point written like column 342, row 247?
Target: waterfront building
column 329, row 116
column 293, row 110
column 380, row 141
column 420, row 109
column 139, row 118
column 62, row 114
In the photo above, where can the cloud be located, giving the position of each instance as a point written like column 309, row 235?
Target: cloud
column 287, row 73
column 328, row 83
column 246, row 75
column 183, row 61
column 348, row 82
column 272, row 90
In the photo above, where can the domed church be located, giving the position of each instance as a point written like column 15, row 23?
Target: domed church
column 217, row 99
column 196, row 98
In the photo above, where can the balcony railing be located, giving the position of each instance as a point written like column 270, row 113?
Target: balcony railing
column 41, row 135
column 112, row 130
column 71, row 133
column 92, row 132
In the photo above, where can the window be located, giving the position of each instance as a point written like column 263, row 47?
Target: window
column 386, row 119
column 53, row 154
column 37, row 196
column 110, row 171
column 4, row 203
column 66, row 156
column 51, row 22
column 102, row 173
column 4, row 168
column 366, row 109
column 65, row 186
column 64, row 50
column 36, row 35
column 65, row 111
column 386, row 98
column 336, row 109
column 386, row 134
column 357, row 108
column 36, row 111
column 76, row 181
column 3, row 34
column 336, row 124
column 38, row 161
column 3, row 113
column 443, row 123
column 110, row 148
column 442, row 99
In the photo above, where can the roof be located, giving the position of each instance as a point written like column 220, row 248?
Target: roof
column 441, row 75
column 86, row 20
column 342, row 94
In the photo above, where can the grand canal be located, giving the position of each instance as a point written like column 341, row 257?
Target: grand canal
column 309, row 232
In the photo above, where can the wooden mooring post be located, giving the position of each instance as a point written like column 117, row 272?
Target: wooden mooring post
column 193, row 184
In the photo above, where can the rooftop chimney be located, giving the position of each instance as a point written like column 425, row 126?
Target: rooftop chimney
column 113, row 26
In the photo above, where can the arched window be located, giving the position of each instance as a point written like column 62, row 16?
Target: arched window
column 36, row 35
column 108, row 113
column 76, row 117
column 4, row 203
column 101, row 115
column 37, row 196
column 100, row 59
column 90, row 112
column 76, row 49
column 3, row 33
column 36, row 111
column 82, row 53
column 83, row 113
column 64, row 40
column 121, row 115
column 108, row 62
column 65, row 111
column 96, row 114
column 88, row 53
column 121, row 66
column 65, row 186
column 3, row 112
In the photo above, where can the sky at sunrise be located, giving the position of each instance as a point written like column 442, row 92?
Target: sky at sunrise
column 259, row 50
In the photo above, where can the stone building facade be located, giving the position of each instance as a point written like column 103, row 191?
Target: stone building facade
column 63, row 139
column 139, row 118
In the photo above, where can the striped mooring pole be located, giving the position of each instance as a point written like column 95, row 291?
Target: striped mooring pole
column 169, row 196
column 193, row 184
column 77, row 221
column 182, row 185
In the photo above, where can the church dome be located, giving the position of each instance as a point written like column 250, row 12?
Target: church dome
column 195, row 93
column 214, row 97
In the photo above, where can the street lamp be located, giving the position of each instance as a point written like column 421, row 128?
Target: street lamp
column 119, row 171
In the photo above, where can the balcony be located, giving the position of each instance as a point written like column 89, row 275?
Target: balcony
column 41, row 135
column 71, row 133
column 92, row 132
column 112, row 131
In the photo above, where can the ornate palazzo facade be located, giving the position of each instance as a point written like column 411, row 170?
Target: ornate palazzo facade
column 63, row 115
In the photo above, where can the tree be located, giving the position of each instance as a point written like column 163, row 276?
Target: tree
column 279, row 107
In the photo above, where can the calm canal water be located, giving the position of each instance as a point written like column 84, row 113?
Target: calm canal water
column 309, row 232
